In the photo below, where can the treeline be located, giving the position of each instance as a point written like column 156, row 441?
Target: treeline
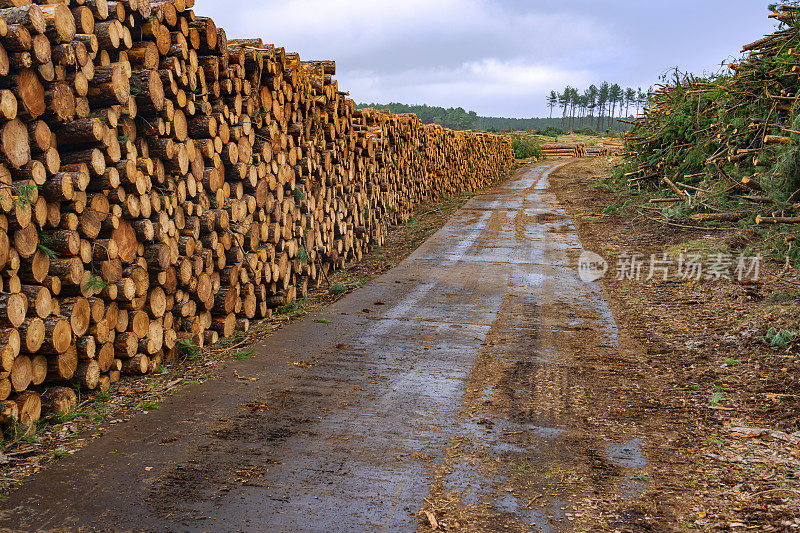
column 597, row 108
column 458, row 118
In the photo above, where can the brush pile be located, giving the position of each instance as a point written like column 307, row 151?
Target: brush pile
column 162, row 186
column 734, row 133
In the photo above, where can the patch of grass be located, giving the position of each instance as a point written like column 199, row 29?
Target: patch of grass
column 21, row 433
column 778, row 339
column 236, row 338
column 58, row 454
column 188, row 350
column 605, row 184
column 146, row 406
column 617, row 209
column 718, row 395
column 338, row 288
column 704, row 248
column 244, row 355
column 779, row 297
column 97, row 409
column 292, row 309
column 526, row 466
column 678, row 210
column 103, row 396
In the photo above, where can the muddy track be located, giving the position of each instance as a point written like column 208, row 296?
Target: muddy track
column 454, row 379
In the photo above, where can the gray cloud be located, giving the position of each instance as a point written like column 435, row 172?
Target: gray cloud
column 496, row 57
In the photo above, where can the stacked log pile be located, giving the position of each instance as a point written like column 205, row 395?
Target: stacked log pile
column 607, row 147
column 161, row 184
column 564, row 150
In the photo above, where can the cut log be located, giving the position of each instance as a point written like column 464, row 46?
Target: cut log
column 58, row 335
column 39, row 369
column 32, row 334
column 16, row 148
column 63, row 365
column 88, row 374
column 30, row 93
column 78, row 311
column 58, row 401
column 29, row 405
column 13, row 308
column 21, row 373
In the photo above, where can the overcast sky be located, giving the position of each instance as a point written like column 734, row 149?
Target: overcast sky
column 499, row 58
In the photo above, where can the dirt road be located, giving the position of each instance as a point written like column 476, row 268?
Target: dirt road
column 444, row 384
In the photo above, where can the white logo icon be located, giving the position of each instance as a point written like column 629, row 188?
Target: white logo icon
column 591, row 267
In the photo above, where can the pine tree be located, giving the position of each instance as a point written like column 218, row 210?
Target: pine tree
column 564, row 101
column 603, row 99
column 592, row 94
column 641, row 99
column 583, row 106
column 630, row 98
column 574, row 101
column 552, row 101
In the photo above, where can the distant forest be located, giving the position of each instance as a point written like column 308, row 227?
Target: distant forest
column 596, row 108
column 458, row 118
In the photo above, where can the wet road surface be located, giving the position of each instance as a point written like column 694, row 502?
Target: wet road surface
column 345, row 421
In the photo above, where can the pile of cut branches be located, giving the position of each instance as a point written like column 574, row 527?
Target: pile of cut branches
column 728, row 144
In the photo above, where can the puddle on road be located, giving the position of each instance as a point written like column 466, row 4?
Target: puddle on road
column 486, row 395
column 630, row 456
column 633, row 486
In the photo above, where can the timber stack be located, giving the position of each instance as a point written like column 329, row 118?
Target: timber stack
column 607, row 147
column 564, row 150
column 161, row 184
